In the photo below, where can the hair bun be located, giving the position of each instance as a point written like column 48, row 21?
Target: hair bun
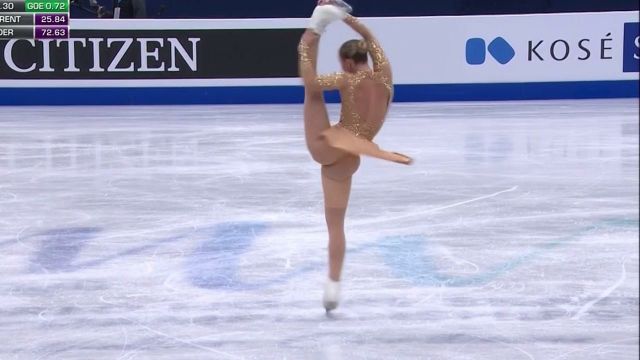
column 362, row 46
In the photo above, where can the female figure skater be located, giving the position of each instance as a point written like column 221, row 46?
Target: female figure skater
column 366, row 94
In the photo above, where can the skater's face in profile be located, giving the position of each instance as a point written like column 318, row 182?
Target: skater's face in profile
column 353, row 55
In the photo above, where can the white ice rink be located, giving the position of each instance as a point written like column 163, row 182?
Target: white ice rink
column 198, row 233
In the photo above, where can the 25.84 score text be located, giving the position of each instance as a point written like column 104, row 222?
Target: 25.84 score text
column 53, row 19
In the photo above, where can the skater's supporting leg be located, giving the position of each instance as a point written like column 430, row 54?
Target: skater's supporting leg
column 336, row 183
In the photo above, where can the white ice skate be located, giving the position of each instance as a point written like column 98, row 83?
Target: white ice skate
column 323, row 15
column 331, row 297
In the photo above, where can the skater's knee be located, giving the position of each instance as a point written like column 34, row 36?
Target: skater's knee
column 342, row 169
column 334, row 216
column 337, row 244
column 320, row 153
column 320, row 158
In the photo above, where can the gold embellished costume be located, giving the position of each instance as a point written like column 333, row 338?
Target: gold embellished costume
column 348, row 84
column 341, row 136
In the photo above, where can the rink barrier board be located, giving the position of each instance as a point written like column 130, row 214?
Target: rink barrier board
column 514, row 57
column 295, row 94
column 453, row 50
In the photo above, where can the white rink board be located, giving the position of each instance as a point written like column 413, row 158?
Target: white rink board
column 426, row 50
column 434, row 52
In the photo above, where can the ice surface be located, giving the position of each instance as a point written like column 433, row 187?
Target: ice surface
column 197, row 233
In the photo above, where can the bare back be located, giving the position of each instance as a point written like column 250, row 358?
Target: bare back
column 368, row 94
column 365, row 102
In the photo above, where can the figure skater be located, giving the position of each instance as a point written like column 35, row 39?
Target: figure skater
column 366, row 95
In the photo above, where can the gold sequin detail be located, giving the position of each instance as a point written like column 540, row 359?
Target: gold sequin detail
column 350, row 119
column 303, row 52
column 348, row 83
column 375, row 50
column 331, row 81
column 350, row 19
column 377, row 55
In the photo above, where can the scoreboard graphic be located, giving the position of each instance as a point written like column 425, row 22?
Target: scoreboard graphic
column 34, row 19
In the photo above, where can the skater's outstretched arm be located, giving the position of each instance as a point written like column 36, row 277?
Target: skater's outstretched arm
column 380, row 62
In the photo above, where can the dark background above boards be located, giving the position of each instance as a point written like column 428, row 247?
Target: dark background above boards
column 215, row 9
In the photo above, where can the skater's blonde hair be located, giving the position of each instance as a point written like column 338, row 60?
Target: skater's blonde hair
column 356, row 50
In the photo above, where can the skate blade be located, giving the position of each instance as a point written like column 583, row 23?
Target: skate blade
column 342, row 5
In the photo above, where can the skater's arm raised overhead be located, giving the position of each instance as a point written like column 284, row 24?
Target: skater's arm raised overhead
column 380, row 61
